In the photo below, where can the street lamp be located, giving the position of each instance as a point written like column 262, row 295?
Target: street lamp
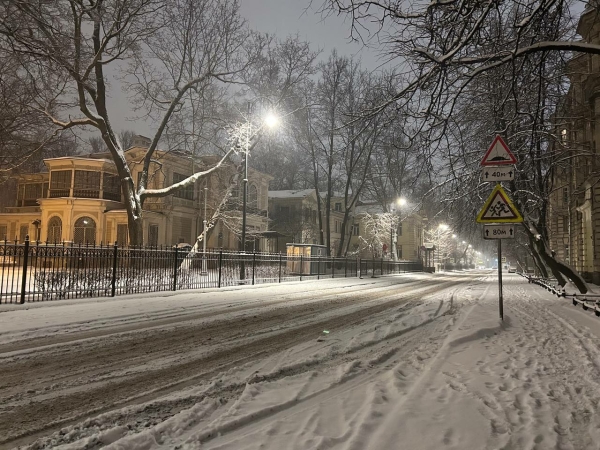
column 270, row 120
column 204, row 272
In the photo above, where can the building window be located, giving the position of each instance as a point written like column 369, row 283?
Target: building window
column 565, row 196
column 60, row 183
column 122, row 234
column 253, row 196
column 400, row 229
column 314, row 216
column 111, row 188
column 186, row 192
column 54, row 230
column 399, row 251
column 355, row 229
column 338, row 207
column 23, row 232
column 84, row 231
column 28, row 194
column 3, row 232
column 565, row 220
column 153, row 235
column 87, row 184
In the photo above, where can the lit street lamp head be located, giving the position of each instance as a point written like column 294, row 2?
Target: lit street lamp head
column 271, row 120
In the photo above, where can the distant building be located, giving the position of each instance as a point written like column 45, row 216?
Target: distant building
column 574, row 212
column 294, row 215
column 79, row 201
column 367, row 241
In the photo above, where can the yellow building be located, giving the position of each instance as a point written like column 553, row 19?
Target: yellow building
column 78, row 200
column 372, row 237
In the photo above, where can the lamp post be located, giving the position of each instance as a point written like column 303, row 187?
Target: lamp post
column 270, row 121
column 204, row 272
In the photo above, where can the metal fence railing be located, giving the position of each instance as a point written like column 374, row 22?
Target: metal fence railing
column 33, row 271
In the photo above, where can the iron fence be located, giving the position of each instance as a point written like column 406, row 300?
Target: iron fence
column 33, row 271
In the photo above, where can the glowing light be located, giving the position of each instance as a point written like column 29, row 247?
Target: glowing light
column 271, row 120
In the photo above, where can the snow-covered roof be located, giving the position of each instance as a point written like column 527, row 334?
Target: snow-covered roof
column 293, row 193
column 372, row 208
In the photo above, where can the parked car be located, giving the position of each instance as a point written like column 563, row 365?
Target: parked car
column 512, row 270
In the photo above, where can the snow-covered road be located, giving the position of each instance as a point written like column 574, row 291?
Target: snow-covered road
column 415, row 361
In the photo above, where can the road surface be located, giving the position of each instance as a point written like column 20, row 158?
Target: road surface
column 342, row 363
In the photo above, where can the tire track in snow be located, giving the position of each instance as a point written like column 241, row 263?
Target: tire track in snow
column 30, row 418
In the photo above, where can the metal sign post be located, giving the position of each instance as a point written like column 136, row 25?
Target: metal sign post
column 498, row 208
column 501, row 300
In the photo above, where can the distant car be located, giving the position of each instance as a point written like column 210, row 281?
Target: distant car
column 512, row 270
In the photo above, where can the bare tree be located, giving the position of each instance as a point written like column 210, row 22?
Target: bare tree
column 450, row 58
column 375, row 234
column 173, row 47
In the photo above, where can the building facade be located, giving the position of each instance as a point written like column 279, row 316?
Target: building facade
column 574, row 207
column 294, row 215
column 79, row 201
column 372, row 237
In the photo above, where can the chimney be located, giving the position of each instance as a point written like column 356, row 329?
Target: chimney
column 141, row 141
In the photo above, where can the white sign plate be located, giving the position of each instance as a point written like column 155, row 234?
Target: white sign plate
column 500, row 231
column 506, row 173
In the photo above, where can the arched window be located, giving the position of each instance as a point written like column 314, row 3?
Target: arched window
column 84, row 231
column 252, row 196
column 54, row 230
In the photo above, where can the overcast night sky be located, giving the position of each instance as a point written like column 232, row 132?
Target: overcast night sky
column 280, row 18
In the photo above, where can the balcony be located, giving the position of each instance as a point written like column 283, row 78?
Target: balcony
column 57, row 193
column 22, row 209
column 86, row 193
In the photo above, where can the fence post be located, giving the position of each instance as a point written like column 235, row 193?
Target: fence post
column 345, row 267
column 358, row 268
column 175, row 270
column 24, row 276
column 381, row 266
column 220, row 265
column 301, row 268
column 113, row 281
column 280, row 267
column 318, row 267
column 333, row 267
column 253, row 266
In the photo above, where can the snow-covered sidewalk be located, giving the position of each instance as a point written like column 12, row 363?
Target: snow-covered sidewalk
column 440, row 372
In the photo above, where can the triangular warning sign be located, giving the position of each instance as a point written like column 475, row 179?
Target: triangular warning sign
column 499, row 209
column 498, row 154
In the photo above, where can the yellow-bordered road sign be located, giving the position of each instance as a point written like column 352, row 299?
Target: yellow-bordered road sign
column 498, row 208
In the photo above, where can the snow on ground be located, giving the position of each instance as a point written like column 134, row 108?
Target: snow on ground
column 440, row 372
column 80, row 315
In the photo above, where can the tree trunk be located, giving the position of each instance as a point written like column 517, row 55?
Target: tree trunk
column 559, row 269
column 537, row 260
